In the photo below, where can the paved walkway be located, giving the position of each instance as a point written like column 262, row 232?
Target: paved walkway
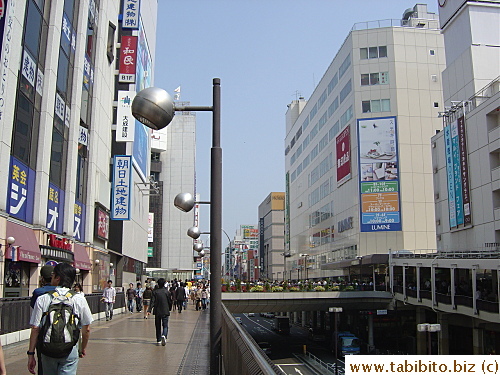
column 127, row 345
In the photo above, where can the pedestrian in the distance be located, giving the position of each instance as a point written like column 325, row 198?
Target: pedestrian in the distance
column 131, row 294
column 161, row 304
column 109, row 297
column 146, row 300
column 180, row 296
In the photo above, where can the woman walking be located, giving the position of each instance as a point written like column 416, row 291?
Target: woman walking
column 146, row 299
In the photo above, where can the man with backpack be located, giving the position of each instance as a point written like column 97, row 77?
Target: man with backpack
column 56, row 321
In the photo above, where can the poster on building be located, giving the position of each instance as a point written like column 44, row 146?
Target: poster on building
column 21, row 191
column 55, row 209
column 379, row 175
column 464, row 170
column 131, row 13
column 125, row 122
column 457, row 173
column 121, row 187
column 128, row 59
column 101, row 223
column 343, row 148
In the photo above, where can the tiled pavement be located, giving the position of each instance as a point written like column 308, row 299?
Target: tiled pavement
column 127, row 345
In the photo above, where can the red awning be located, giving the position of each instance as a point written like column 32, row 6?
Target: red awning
column 27, row 246
column 82, row 260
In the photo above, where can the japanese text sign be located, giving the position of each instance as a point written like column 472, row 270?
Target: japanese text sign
column 122, row 187
column 128, row 57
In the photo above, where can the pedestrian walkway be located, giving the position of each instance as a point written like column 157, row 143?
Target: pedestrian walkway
column 127, row 345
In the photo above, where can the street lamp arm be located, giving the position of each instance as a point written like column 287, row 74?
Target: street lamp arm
column 188, row 108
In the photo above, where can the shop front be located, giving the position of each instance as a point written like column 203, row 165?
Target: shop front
column 83, row 265
column 57, row 250
column 22, row 258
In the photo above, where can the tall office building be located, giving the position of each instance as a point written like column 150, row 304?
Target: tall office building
column 271, row 237
column 173, row 159
column 73, row 160
column 358, row 159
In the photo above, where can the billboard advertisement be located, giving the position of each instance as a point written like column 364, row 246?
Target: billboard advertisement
column 380, row 209
column 343, row 147
column 121, row 194
column 457, row 173
column 125, row 122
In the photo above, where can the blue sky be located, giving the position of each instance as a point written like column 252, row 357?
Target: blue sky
column 264, row 52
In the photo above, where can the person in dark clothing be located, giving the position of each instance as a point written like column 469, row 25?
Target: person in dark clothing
column 161, row 304
column 180, row 296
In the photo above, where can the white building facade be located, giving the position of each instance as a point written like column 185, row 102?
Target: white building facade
column 59, row 140
column 358, row 161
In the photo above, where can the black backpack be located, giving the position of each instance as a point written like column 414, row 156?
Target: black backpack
column 59, row 330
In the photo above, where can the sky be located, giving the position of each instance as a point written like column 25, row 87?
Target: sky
column 266, row 53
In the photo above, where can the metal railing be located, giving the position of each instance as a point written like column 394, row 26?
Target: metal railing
column 240, row 353
column 316, row 362
column 15, row 312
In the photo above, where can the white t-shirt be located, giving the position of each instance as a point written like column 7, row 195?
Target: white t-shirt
column 80, row 308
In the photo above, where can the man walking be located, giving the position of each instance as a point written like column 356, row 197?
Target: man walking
column 138, row 297
column 131, row 294
column 108, row 297
column 64, row 277
column 161, row 304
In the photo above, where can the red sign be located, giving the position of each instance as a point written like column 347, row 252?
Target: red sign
column 344, row 156
column 128, row 57
column 102, row 223
column 60, row 243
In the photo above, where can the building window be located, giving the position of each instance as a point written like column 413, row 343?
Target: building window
column 372, row 52
column 110, row 49
column 436, row 105
column 373, row 106
column 432, row 52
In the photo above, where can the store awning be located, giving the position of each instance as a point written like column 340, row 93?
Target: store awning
column 26, row 245
column 82, row 260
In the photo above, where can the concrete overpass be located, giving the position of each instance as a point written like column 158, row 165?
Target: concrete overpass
column 238, row 302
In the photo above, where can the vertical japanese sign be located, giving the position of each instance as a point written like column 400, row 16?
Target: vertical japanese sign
column 378, row 175
column 457, row 173
column 79, row 221
column 29, row 68
column 128, row 59
column 101, row 223
column 464, row 170
column 21, row 191
column 121, row 188
column 131, row 14
column 55, row 209
column 151, row 220
column 125, row 122
column 343, row 147
column 450, row 177
column 6, row 34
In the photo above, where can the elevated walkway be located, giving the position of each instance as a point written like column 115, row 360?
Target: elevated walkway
column 127, row 344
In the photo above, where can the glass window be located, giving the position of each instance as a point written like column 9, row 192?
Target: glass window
column 81, row 173
column 374, row 79
column 32, row 29
column 375, row 106
column 345, row 65
column 365, row 105
column 68, row 8
column 382, row 51
column 84, row 106
column 345, row 91
column 432, row 52
column 21, row 136
column 385, row 105
column 365, row 79
column 56, row 158
column 333, row 83
column 62, row 74
column 373, row 52
column 363, row 53
column 110, row 49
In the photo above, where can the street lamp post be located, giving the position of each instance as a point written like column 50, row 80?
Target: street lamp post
column 155, row 108
column 335, row 311
column 305, row 256
column 426, row 327
column 285, row 255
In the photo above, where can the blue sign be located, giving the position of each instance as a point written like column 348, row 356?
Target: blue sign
column 21, row 191
column 450, row 176
column 140, row 150
column 79, row 221
column 456, row 173
column 121, row 188
column 55, row 209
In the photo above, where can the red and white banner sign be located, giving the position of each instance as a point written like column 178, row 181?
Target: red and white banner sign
column 343, row 156
column 128, row 57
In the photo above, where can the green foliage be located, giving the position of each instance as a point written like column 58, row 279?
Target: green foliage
column 294, row 289
column 238, row 285
column 267, row 286
column 277, row 289
column 349, row 287
column 319, row 288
